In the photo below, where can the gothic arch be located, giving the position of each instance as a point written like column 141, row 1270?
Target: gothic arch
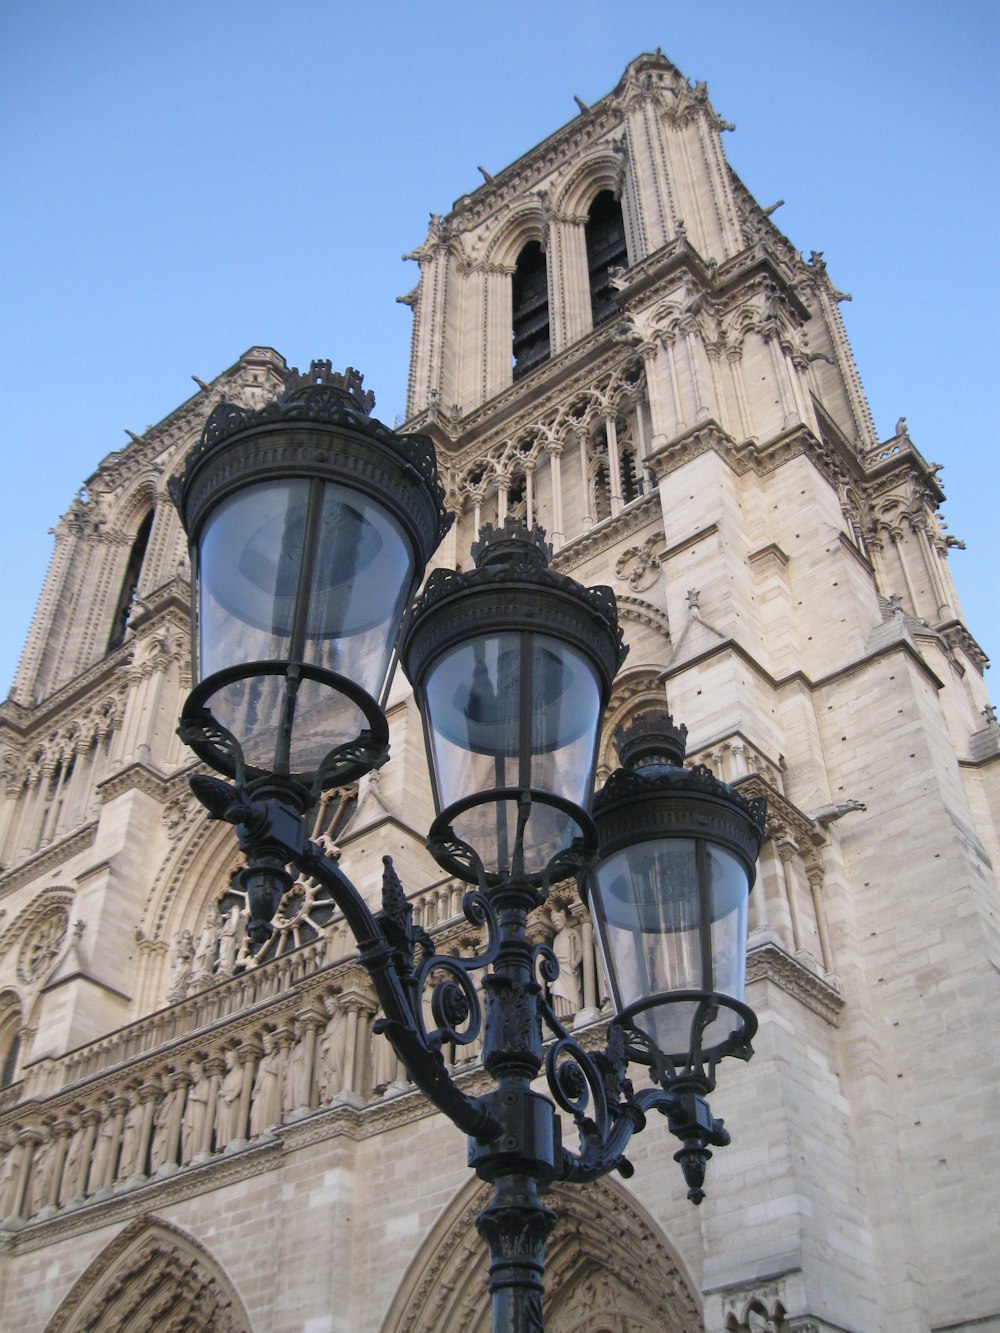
column 606, row 1262
column 603, row 171
column 194, row 873
column 527, row 224
column 152, row 1278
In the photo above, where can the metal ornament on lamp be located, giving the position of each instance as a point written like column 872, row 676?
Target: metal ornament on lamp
column 512, row 665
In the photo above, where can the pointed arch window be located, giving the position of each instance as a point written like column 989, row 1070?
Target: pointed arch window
column 130, row 582
column 10, row 1039
column 530, row 299
column 605, row 234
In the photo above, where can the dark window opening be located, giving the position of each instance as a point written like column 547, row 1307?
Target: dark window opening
column 530, row 292
column 632, row 481
column 602, row 494
column 605, row 233
column 130, row 582
column 10, row 1061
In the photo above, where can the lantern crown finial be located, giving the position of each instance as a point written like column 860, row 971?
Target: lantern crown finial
column 321, row 373
column 651, row 740
column 510, row 544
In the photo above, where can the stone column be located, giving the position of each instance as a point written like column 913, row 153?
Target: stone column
column 248, row 1052
column 587, row 514
column 735, row 358
column 148, row 1094
column 787, row 851
column 554, row 451
column 591, row 1008
column 814, row 873
column 896, row 538
column 614, row 465
column 214, row 1068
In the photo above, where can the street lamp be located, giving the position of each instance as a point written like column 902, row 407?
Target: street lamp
column 310, row 525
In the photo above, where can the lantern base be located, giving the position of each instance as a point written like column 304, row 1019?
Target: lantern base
column 701, row 1027
column 489, row 838
column 273, row 719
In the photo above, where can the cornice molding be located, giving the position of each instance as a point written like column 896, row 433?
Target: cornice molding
column 603, row 535
column 42, row 863
column 767, row 962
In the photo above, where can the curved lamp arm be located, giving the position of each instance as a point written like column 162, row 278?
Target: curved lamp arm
column 593, row 1087
column 272, row 836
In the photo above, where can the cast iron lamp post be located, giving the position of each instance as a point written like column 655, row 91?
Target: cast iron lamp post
column 310, row 526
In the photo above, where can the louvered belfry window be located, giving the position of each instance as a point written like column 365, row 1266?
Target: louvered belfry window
column 531, row 310
column 605, row 232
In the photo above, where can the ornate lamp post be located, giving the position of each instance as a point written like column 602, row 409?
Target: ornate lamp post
column 310, row 526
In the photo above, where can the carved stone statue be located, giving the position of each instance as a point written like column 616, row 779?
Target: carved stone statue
column 74, row 1168
column 8, row 1176
column 228, row 943
column 568, row 949
column 165, row 1120
column 268, row 1088
column 104, row 1153
column 330, row 1077
column 41, row 1176
column 129, row 1163
column 182, row 956
column 204, row 955
column 195, row 1112
column 297, row 1076
column 227, row 1111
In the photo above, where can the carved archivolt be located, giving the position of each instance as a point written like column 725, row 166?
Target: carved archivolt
column 152, row 1278
column 608, row 1269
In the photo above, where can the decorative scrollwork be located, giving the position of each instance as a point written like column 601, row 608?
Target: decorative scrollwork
column 202, row 732
column 455, row 1004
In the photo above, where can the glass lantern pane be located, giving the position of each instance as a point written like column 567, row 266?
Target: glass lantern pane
column 362, row 578
column 249, row 560
column 565, row 707
column 728, row 895
column 648, row 911
column 253, row 710
column 473, row 706
column 650, row 916
column 473, row 710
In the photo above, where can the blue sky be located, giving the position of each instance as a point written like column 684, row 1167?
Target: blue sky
column 183, row 181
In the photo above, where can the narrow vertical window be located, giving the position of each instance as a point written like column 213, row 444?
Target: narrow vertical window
column 10, row 1042
column 130, row 582
column 605, row 233
column 530, row 292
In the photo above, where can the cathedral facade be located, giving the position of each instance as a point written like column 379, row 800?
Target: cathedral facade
column 610, row 339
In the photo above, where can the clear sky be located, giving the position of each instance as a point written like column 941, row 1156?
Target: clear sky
column 185, row 180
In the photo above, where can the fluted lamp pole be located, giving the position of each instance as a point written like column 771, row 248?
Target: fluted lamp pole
column 310, row 526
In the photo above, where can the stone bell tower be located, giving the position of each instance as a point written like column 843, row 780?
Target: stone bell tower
column 611, row 338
